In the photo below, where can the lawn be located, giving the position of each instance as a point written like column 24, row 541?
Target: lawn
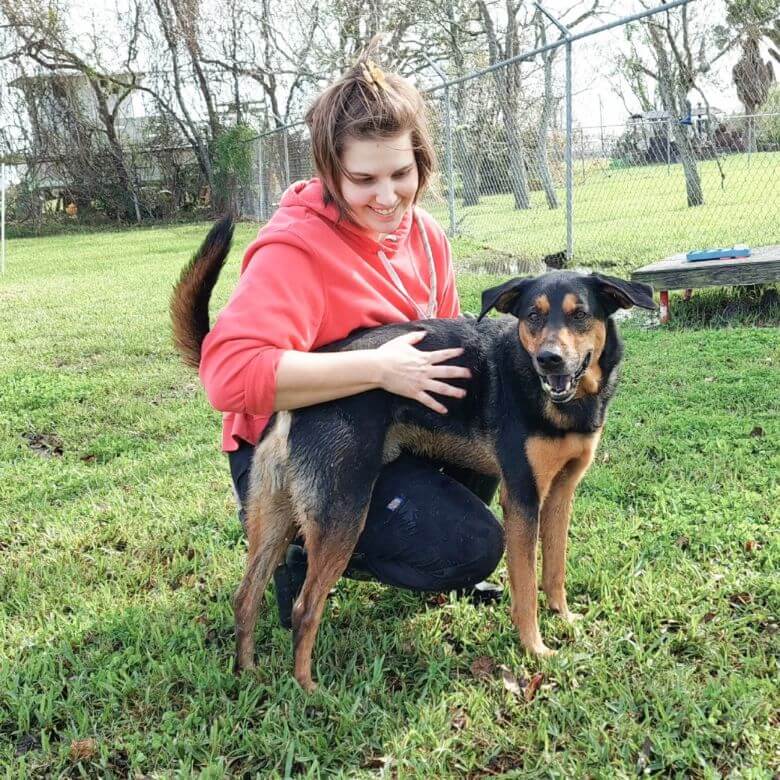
column 120, row 551
column 625, row 218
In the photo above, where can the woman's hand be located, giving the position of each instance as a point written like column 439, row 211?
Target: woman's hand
column 416, row 374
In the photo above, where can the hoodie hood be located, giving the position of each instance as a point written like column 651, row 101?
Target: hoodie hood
column 309, row 194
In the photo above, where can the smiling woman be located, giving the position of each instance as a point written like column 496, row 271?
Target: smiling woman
column 348, row 250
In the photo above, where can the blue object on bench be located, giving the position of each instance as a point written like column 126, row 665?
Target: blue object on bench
column 740, row 250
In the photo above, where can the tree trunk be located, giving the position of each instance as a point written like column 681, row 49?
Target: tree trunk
column 518, row 174
column 545, row 177
column 751, row 134
column 468, row 165
column 693, row 186
column 108, row 119
column 548, row 107
column 467, row 154
column 673, row 92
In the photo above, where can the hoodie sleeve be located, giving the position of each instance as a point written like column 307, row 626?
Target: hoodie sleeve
column 278, row 305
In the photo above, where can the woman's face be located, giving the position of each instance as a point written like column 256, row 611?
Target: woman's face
column 380, row 181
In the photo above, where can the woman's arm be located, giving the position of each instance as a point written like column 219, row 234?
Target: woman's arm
column 306, row 378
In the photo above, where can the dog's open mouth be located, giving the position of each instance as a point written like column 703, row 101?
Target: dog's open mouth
column 562, row 387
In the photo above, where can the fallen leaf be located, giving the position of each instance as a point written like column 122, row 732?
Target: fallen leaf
column 683, row 542
column 482, row 667
column 757, row 432
column 377, row 762
column 88, row 458
column 751, row 545
column 83, row 749
column 46, row 445
column 644, row 756
column 740, row 599
column 511, row 683
column 533, row 687
column 28, row 743
column 710, row 616
column 459, row 719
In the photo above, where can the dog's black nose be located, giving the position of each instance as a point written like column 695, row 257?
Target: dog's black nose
column 549, row 360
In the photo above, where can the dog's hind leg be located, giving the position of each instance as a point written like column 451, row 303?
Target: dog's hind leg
column 270, row 527
column 329, row 548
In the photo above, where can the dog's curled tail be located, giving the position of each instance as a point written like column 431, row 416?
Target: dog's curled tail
column 191, row 294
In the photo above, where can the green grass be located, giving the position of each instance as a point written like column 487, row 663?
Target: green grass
column 119, row 557
column 629, row 217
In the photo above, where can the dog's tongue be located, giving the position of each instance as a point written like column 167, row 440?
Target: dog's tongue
column 559, row 382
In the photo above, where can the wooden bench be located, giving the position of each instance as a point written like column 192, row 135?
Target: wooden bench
column 677, row 273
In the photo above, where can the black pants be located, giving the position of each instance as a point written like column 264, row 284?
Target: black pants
column 428, row 526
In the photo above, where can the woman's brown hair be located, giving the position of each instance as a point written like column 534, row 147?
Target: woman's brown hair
column 366, row 103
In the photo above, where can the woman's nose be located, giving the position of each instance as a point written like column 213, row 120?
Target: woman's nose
column 385, row 194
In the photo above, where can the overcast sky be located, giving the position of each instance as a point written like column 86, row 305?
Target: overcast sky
column 595, row 98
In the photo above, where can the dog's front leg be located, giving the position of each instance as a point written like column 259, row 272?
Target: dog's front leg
column 521, row 528
column 554, row 529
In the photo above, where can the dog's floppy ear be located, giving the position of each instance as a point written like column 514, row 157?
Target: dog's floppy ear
column 503, row 297
column 617, row 293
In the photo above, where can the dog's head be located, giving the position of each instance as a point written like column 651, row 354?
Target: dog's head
column 563, row 321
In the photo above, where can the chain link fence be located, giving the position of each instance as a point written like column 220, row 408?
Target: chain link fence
column 501, row 189
column 629, row 198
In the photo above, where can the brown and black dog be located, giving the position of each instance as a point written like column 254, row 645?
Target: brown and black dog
column 533, row 415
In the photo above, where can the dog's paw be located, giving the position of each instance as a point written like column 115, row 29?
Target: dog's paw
column 570, row 617
column 307, row 684
column 538, row 648
column 544, row 652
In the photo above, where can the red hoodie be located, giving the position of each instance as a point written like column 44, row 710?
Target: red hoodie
column 307, row 280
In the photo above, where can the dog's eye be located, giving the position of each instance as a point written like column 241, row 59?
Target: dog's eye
column 534, row 317
column 580, row 315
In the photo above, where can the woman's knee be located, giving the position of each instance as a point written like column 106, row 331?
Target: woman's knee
column 492, row 547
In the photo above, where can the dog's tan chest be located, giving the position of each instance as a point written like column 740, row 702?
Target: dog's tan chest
column 547, row 456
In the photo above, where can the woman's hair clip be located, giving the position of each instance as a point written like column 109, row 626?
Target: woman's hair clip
column 373, row 74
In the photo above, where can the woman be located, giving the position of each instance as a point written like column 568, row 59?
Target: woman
column 347, row 250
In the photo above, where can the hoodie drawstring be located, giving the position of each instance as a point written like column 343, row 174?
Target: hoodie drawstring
column 430, row 311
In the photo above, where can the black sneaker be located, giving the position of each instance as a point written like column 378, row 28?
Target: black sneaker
column 482, row 593
column 288, row 581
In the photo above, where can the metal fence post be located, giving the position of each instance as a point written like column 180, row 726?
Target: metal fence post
column 261, row 178
column 668, row 144
column 569, row 161
column 2, row 219
column 450, row 171
column 448, row 145
column 287, row 181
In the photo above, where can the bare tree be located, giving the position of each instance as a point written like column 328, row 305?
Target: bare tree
column 509, row 86
column 681, row 50
column 754, row 21
column 42, row 38
column 550, row 99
